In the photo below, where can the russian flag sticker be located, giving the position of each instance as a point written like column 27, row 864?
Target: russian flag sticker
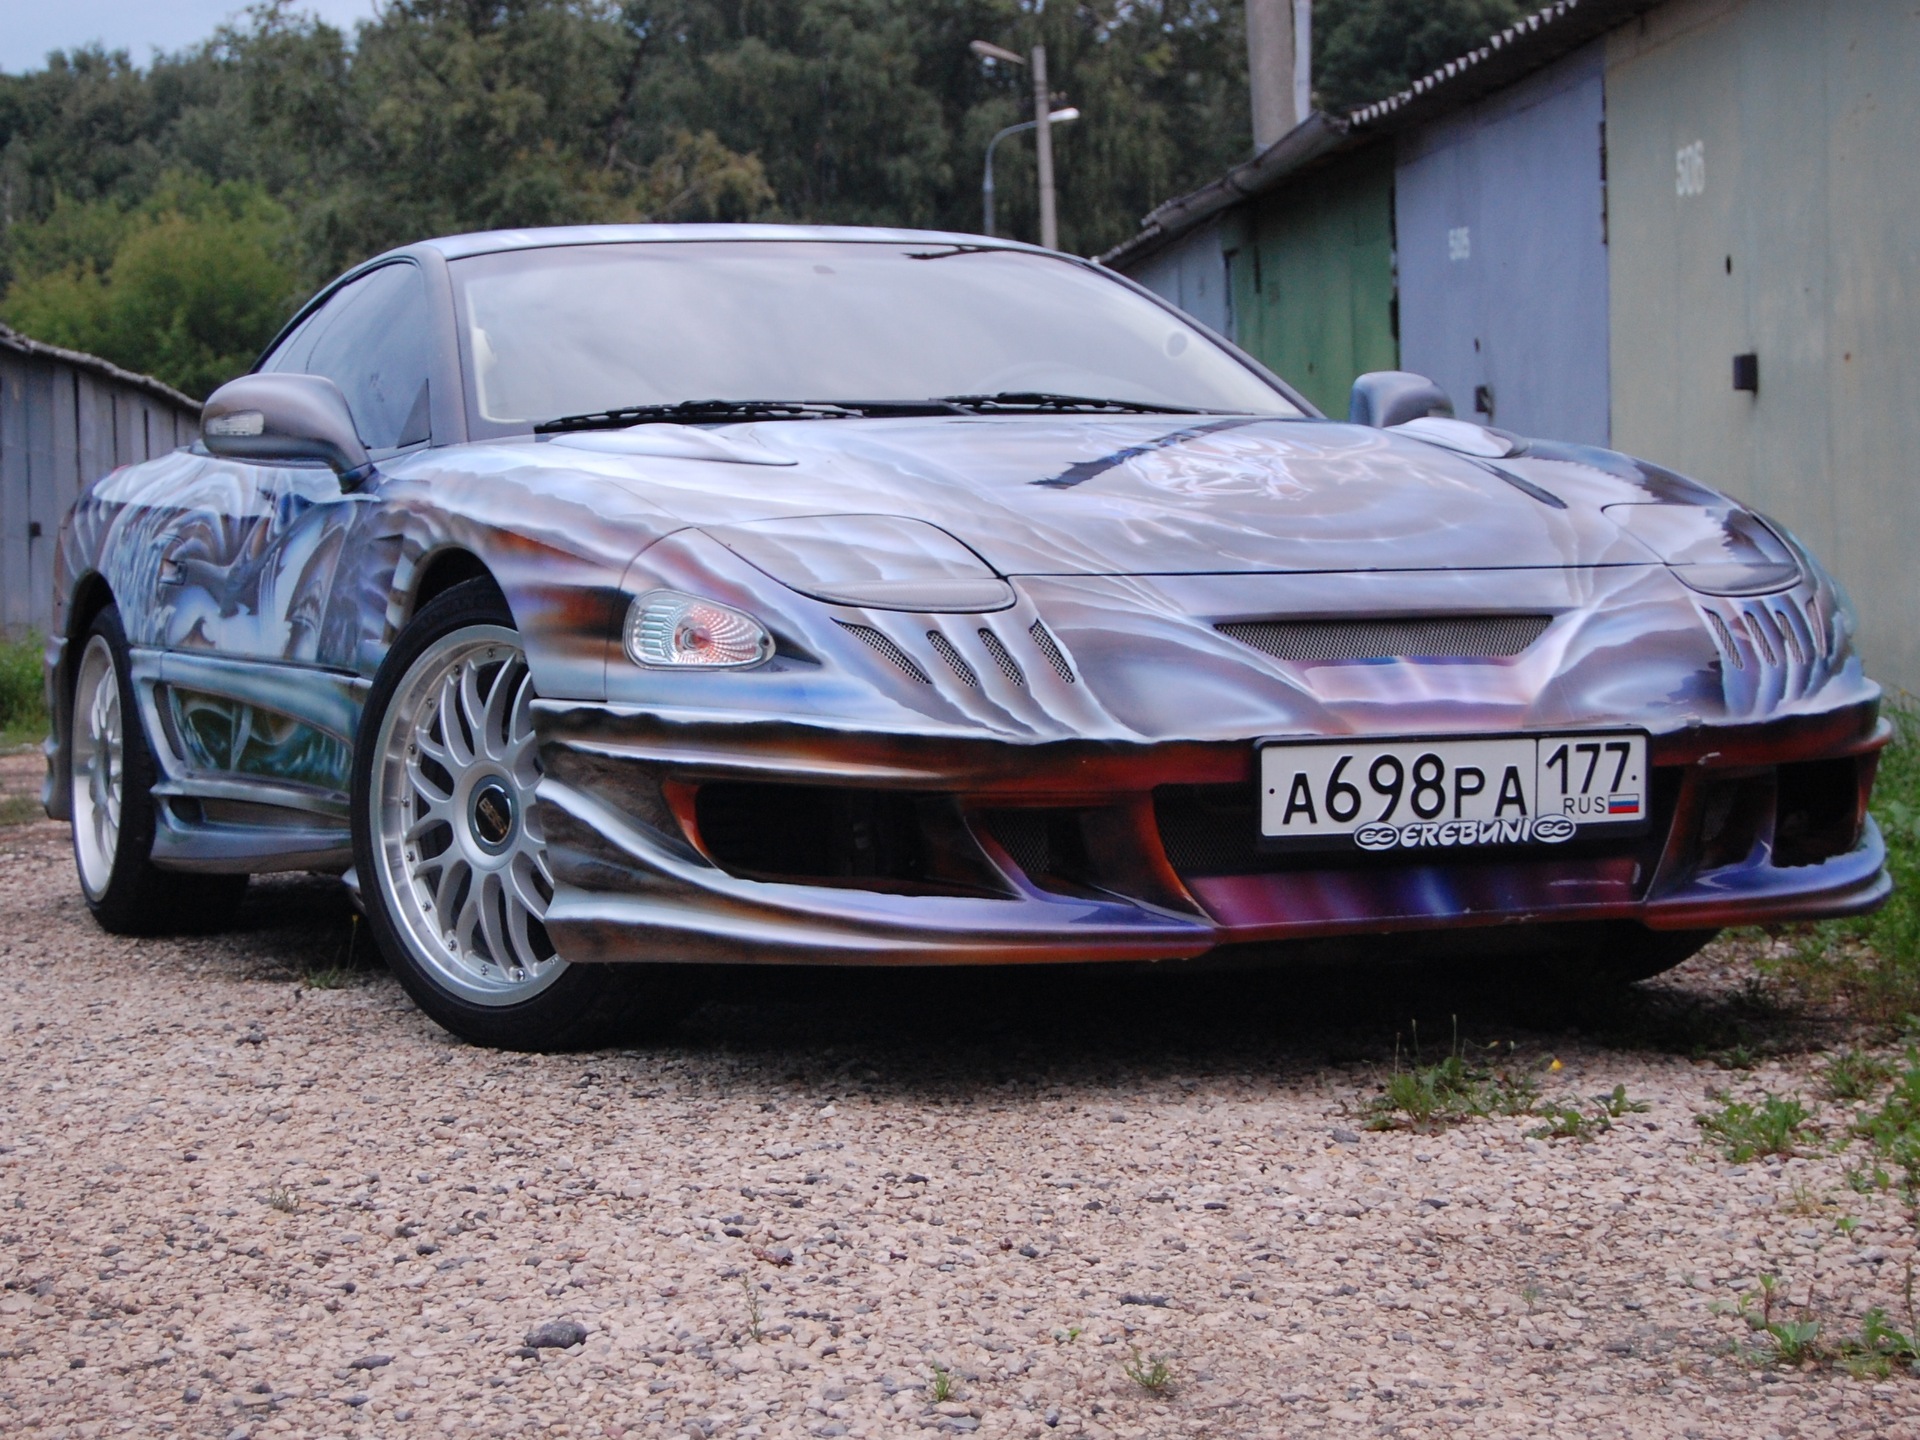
column 1623, row 805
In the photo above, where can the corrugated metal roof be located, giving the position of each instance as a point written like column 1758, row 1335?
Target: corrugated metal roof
column 11, row 339
column 1527, row 45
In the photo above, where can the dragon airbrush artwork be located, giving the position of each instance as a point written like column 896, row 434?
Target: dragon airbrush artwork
column 1001, row 615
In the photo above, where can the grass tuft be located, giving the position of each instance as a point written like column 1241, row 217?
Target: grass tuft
column 1152, row 1375
column 23, row 697
column 1871, row 965
column 1776, row 1125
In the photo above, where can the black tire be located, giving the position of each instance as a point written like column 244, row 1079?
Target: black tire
column 1637, row 953
column 125, row 891
column 581, row 1005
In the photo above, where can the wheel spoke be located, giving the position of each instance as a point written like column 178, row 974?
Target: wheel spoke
column 473, row 709
column 496, row 717
column 492, row 892
column 452, row 734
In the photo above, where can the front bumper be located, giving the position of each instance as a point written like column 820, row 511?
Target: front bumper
column 638, row 878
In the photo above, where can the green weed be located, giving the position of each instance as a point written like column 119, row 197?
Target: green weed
column 1853, row 1075
column 1774, row 1126
column 1426, row 1098
column 23, row 696
column 1871, row 965
column 1153, row 1375
column 1894, row 1129
column 940, row 1388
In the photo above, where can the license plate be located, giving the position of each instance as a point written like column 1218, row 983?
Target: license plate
column 1444, row 793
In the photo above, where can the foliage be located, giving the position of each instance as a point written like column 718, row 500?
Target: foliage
column 188, row 286
column 1153, row 1375
column 1872, row 964
column 1855, row 1075
column 1775, row 1125
column 1426, row 1097
column 448, row 115
column 23, row 696
column 1894, row 1128
column 1367, row 49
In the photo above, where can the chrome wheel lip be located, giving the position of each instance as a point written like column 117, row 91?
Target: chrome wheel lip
column 98, row 766
column 486, row 953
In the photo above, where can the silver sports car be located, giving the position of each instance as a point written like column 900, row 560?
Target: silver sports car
column 599, row 600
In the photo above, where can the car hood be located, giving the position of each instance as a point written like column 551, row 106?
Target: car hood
column 1053, row 495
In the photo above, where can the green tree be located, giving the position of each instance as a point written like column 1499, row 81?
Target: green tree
column 187, row 287
column 1366, row 50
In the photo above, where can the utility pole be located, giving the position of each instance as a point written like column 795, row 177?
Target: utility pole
column 1042, row 125
column 1043, row 135
column 1279, row 66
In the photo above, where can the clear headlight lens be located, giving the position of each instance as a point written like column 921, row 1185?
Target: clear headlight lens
column 667, row 628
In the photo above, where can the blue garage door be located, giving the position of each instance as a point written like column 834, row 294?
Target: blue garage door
column 1500, row 225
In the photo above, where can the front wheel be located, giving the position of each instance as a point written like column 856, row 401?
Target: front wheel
column 447, row 841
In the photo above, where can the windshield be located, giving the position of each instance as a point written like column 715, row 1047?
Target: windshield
column 575, row 329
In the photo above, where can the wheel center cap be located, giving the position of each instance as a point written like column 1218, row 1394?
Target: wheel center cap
column 490, row 814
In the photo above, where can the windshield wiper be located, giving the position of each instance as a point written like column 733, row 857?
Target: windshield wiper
column 1046, row 401
column 708, row 412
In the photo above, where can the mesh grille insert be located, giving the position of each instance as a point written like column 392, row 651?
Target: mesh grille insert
column 1051, row 651
column 943, row 647
column 1726, row 640
column 1009, row 666
column 1449, row 637
column 889, row 651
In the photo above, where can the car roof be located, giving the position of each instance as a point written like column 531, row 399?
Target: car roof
column 489, row 242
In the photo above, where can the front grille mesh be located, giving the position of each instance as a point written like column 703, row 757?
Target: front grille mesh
column 956, row 662
column 1002, row 657
column 1440, row 637
column 1045, row 643
column 889, row 651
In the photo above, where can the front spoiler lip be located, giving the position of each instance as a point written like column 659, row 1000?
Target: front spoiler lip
column 659, row 902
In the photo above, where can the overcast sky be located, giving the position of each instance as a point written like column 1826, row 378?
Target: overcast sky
column 30, row 28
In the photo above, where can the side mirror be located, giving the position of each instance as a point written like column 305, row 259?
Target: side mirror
column 1393, row 397
column 284, row 417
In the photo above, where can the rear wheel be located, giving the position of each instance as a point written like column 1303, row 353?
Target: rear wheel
column 112, row 774
column 447, row 841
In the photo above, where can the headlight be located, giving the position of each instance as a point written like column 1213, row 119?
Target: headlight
column 876, row 562
column 1717, row 550
column 667, row 628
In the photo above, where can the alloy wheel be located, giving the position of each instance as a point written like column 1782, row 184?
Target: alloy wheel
column 461, row 860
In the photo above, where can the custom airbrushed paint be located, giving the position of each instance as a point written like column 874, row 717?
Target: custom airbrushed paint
column 1091, row 684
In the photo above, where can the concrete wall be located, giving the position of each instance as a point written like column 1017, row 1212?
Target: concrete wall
column 1764, row 197
column 1500, row 219
column 1192, row 273
column 63, row 424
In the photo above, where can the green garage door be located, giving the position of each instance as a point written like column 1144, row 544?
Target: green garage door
column 1312, row 277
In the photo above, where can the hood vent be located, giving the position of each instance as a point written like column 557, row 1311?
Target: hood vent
column 1438, row 637
column 890, row 652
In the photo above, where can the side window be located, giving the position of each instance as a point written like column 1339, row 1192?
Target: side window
column 372, row 340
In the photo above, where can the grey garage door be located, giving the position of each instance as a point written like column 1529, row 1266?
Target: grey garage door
column 1500, row 229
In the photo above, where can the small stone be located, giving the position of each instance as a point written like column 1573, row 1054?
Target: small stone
column 1030, row 1252
column 370, row 1362
column 191, row 1395
column 774, row 1255
column 556, row 1335
column 76, row 1363
column 358, row 1398
column 1343, row 1136
column 1158, row 1302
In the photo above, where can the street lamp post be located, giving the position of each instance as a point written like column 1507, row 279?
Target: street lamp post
column 1057, row 117
column 1043, row 120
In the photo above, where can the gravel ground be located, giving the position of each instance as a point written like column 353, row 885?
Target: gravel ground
column 237, row 1203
